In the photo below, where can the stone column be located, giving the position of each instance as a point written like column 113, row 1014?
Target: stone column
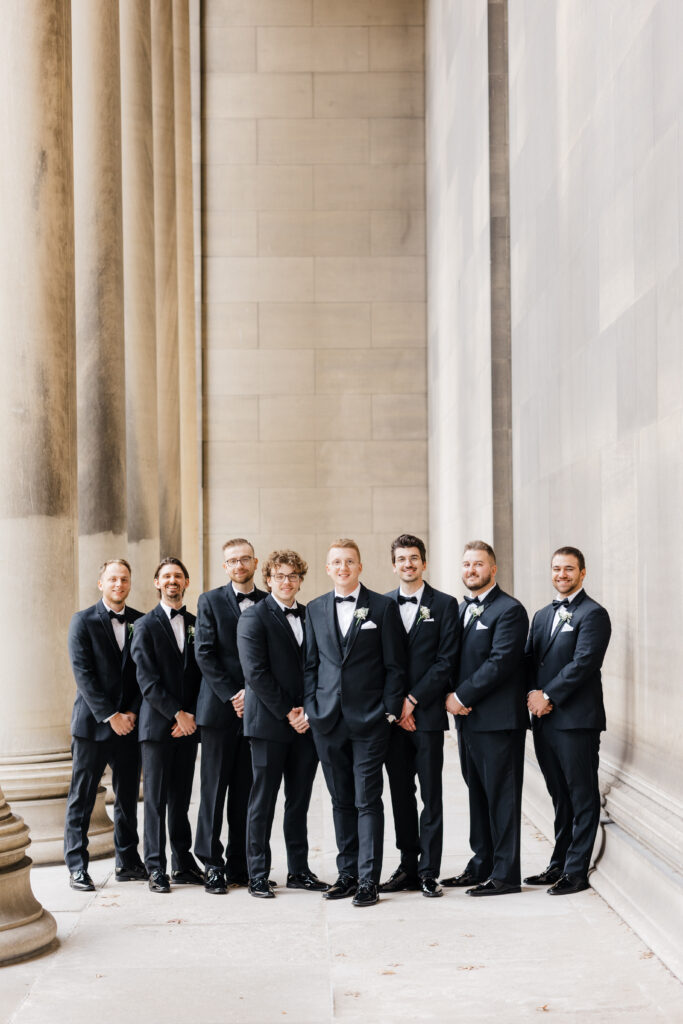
column 25, row 928
column 139, row 305
column 187, row 349
column 38, row 515
column 166, row 266
column 99, row 289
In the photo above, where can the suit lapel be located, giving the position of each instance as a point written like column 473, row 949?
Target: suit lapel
column 417, row 621
column 168, row 630
column 126, row 644
column 356, row 622
column 107, row 626
column 488, row 600
column 231, row 600
column 549, row 639
column 281, row 619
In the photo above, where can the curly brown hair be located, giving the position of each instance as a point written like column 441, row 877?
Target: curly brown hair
column 285, row 556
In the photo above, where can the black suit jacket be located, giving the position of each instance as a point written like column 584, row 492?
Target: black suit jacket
column 367, row 679
column 433, row 647
column 492, row 677
column 105, row 677
column 567, row 665
column 216, row 651
column 168, row 677
column 273, row 665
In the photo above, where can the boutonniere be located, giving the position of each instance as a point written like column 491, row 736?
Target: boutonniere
column 190, row 634
column 477, row 610
column 361, row 614
column 565, row 616
column 424, row 613
column 130, row 630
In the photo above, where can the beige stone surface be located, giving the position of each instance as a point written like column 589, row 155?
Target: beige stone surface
column 376, row 278
column 325, row 417
column 398, row 233
column 266, row 372
column 242, row 187
column 259, row 95
column 230, row 49
column 230, row 140
column 368, row 12
column 312, row 49
column 250, row 279
column 369, row 187
column 258, row 12
column 232, row 324
column 373, row 94
column 315, row 324
column 375, row 371
column 398, row 48
column 397, row 140
column 334, row 233
column 399, row 324
column 399, row 416
column 317, row 140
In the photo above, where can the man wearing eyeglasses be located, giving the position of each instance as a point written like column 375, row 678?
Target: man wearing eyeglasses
column 226, row 758
column 270, row 640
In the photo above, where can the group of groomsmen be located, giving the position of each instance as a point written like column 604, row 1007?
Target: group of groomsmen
column 356, row 681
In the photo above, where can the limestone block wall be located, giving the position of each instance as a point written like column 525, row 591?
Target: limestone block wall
column 315, row 419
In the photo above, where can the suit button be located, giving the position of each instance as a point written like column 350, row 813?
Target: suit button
column 542, row 664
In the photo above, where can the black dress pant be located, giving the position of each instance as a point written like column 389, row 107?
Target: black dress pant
column 225, row 767
column 90, row 758
column 492, row 765
column 272, row 761
column 352, row 766
column 569, row 760
column 168, row 772
column 410, row 754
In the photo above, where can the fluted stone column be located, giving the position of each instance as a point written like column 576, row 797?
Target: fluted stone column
column 139, row 296
column 187, row 349
column 38, row 516
column 99, row 289
column 25, row 928
column 166, row 266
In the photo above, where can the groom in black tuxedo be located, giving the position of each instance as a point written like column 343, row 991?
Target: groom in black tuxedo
column 163, row 650
column 103, row 726
column 430, row 620
column 354, row 686
column 225, row 766
column 491, row 719
column 270, row 640
column 567, row 646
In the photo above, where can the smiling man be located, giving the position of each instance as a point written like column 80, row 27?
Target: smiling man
column 163, row 650
column 355, row 682
column 270, row 640
column 567, row 645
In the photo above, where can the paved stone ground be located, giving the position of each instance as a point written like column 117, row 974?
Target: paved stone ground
column 126, row 955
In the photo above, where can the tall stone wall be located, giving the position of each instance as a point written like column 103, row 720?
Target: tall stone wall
column 315, row 416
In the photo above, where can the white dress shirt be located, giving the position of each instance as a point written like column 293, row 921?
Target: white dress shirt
column 346, row 610
column 556, row 617
column 118, row 627
column 293, row 620
column 409, row 611
column 177, row 625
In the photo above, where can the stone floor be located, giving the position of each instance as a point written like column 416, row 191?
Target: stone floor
column 127, row 956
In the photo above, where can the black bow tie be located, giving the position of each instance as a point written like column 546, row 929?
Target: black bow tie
column 244, row 597
column 338, row 600
column 296, row 612
column 471, row 600
column 559, row 603
column 406, row 600
column 120, row 617
column 177, row 611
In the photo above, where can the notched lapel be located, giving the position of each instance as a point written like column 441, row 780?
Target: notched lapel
column 356, row 622
column 107, row 626
column 427, row 595
column 281, row 619
column 170, row 635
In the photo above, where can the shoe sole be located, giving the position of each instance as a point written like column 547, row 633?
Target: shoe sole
column 498, row 892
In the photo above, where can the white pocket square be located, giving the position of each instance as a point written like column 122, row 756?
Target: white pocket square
column 567, row 628
column 480, row 625
column 428, row 620
column 369, row 625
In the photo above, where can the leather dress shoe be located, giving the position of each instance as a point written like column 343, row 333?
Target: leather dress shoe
column 233, row 881
column 430, row 887
column 366, row 895
column 568, row 884
column 190, row 876
column 158, row 882
column 306, row 880
column 546, row 877
column 492, row 887
column 214, row 881
column 131, row 873
column 400, row 881
column 345, row 885
column 260, row 888
column 81, row 881
column 460, row 881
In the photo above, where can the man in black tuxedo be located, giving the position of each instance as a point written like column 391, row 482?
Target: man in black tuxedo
column 270, row 640
column 491, row 719
column 163, row 650
column 225, row 766
column 567, row 645
column 432, row 625
column 103, row 726
column 354, row 684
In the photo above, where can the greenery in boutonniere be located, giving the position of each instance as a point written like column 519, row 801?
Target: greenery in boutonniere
column 190, row 634
column 361, row 614
column 424, row 613
column 477, row 610
column 130, row 630
column 565, row 616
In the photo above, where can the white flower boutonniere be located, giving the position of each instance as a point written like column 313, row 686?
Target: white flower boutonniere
column 477, row 610
column 361, row 614
column 424, row 613
column 565, row 616
column 131, row 627
column 190, row 634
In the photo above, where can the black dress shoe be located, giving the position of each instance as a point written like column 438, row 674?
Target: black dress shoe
column 460, row 881
column 492, row 887
column 345, row 885
column 568, row 884
column 430, row 887
column 366, row 895
column 400, row 881
column 190, row 876
column 158, row 882
column 81, row 881
column 306, row 880
column 214, row 881
column 546, row 877
column 260, row 888
column 131, row 873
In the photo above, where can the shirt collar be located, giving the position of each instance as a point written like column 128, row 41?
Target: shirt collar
column 250, row 595
column 282, row 606
column 570, row 597
column 167, row 608
column 418, row 594
column 483, row 594
column 110, row 609
column 354, row 593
